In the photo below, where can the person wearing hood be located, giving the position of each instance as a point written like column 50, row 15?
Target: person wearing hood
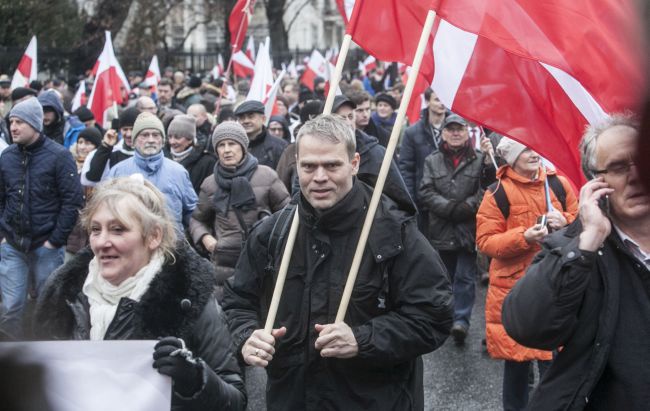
column 451, row 192
column 279, row 127
column 53, row 116
column 110, row 152
column 512, row 241
column 231, row 200
column 167, row 175
column 266, row 148
column 40, row 198
column 182, row 149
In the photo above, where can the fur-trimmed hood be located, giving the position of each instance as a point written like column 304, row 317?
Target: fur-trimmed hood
column 172, row 305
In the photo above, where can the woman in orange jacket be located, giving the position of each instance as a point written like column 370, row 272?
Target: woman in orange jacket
column 512, row 241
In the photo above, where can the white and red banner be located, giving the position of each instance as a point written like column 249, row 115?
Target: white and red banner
column 250, row 48
column 27, row 69
column 110, row 82
column 242, row 66
column 263, row 77
column 80, row 97
column 153, row 75
column 317, row 66
column 218, row 68
column 238, row 23
column 367, row 64
column 515, row 67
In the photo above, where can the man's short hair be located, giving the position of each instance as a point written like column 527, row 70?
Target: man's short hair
column 330, row 128
column 427, row 94
column 294, row 85
column 359, row 97
column 590, row 138
column 166, row 82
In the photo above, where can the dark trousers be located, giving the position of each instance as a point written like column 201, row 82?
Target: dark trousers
column 515, row 383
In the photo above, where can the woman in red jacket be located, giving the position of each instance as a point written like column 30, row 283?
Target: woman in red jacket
column 512, row 241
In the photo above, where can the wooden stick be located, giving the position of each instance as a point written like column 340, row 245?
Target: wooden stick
column 336, row 78
column 288, row 248
column 385, row 165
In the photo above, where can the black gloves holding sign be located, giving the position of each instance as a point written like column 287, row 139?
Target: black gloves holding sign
column 173, row 359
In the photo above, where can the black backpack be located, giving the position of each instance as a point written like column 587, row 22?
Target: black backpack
column 501, row 198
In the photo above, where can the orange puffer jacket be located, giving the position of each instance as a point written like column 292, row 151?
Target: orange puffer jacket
column 503, row 241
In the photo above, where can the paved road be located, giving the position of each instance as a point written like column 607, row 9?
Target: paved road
column 455, row 378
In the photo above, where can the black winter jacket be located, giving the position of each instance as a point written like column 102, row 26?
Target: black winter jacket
column 179, row 302
column 570, row 298
column 267, row 149
column 40, row 194
column 199, row 165
column 401, row 306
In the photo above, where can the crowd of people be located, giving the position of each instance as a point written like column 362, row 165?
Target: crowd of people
column 169, row 223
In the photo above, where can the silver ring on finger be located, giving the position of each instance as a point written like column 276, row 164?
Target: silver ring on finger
column 257, row 352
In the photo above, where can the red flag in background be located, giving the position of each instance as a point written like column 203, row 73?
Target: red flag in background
column 27, row 69
column 238, row 23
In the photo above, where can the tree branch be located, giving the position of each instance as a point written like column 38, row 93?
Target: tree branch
column 295, row 16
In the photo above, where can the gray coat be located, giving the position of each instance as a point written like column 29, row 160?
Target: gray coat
column 442, row 188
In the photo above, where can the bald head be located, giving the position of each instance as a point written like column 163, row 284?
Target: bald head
column 199, row 112
column 145, row 103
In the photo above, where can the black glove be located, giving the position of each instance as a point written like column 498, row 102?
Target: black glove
column 462, row 212
column 173, row 359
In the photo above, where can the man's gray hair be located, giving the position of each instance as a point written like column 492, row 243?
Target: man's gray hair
column 329, row 128
column 590, row 138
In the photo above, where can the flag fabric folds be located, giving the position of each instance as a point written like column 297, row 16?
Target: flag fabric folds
column 79, row 98
column 238, row 23
column 27, row 69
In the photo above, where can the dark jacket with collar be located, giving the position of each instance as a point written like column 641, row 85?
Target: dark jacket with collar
column 418, row 142
column 267, row 149
column 179, row 302
column 400, row 307
column 40, row 194
column 377, row 131
column 570, row 299
column 442, row 188
column 199, row 165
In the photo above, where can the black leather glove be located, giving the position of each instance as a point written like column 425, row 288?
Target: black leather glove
column 173, row 359
column 462, row 212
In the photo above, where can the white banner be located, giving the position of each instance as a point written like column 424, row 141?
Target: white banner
column 94, row 375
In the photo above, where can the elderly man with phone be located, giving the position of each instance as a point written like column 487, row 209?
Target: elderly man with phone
column 588, row 291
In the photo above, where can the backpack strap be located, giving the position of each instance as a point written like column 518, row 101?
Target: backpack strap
column 278, row 234
column 500, row 198
column 558, row 189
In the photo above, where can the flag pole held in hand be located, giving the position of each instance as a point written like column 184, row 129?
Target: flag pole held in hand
column 383, row 172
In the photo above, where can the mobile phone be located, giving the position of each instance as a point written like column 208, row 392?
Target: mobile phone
column 542, row 220
column 115, row 124
column 603, row 203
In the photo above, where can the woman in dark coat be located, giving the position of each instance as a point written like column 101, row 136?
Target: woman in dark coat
column 137, row 282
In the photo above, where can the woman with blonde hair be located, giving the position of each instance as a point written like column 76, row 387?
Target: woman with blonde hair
column 138, row 281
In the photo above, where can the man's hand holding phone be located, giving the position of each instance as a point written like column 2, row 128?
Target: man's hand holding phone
column 536, row 233
column 595, row 223
column 110, row 138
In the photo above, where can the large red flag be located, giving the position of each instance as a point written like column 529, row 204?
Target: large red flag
column 109, row 82
column 238, row 23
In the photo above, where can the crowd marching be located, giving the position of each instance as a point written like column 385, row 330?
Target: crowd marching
column 169, row 223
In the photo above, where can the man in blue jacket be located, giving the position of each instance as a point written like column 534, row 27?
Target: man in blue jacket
column 40, row 198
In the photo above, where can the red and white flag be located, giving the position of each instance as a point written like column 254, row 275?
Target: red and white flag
column 80, row 96
column 367, row 64
column 250, row 48
column 317, row 66
column 345, row 8
column 27, row 70
column 514, row 66
column 218, row 68
column 238, row 23
column 153, row 75
column 270, row 108
column 292, row 70
column 242, row 66
column 109, row 84
column 263, row 77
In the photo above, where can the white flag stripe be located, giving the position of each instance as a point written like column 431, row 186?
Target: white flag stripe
column 582, row 99
column 452, row 51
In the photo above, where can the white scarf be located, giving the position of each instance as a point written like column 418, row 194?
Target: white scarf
column 104, row 297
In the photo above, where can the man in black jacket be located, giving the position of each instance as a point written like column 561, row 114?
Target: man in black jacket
column 400, row 307
column 588, row 291
column 40, row 198
column 266, row 148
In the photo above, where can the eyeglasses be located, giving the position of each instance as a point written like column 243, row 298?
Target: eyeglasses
column 617, row 169
column 276, row 129
column 154, row 134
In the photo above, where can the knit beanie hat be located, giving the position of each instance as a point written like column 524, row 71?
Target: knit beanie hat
column 92, row 135
column 146, row 121
column 84, row 114
column 183, row 125
column 128, row 116
column 230, row 130
column 20, row 92
column 510, row 150
column 386, row 98
column 30, row 111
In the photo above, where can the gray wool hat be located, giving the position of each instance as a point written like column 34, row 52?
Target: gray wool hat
column 454, row 118
column 510, row 150
column 183, row 125
column 230, row 130
column 30, row 111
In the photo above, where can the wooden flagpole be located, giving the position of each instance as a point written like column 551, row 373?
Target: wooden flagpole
column 385, row 165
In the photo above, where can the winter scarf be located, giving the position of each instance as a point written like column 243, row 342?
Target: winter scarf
column 149, row 164
column 385, row 123
column 234, row 186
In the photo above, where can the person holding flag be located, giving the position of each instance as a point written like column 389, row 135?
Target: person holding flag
column 401, row 308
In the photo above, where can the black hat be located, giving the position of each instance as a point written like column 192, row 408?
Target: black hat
column 84, row 114
column 194, row 82
column 310, row 110
column 128, row 116
column 305, row 95
column 92, row 135
column 386, row 98
column 342, row 100
column 454, row 118
column 250, row 106
column 20, row 92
